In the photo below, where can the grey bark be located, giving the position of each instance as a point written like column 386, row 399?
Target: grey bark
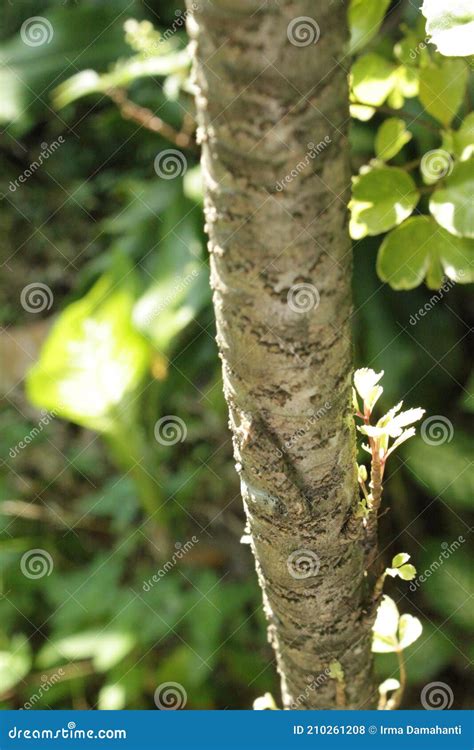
column 276, row 220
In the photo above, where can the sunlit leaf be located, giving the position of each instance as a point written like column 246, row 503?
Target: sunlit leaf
column 92, row 358
column 408, row 253
column 15, row 663
column 452, row 205
column 371, row 79
column 385, row 627
column 450, row 24
column 365, row 379
column 381, row 199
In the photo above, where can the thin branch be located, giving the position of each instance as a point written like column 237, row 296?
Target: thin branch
column 145, row 117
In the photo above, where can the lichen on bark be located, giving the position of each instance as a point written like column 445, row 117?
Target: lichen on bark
column 275, row 207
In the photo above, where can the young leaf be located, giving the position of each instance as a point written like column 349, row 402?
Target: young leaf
column 452, row 205
column 442, row 88
column 365, row 379
column 463, row 139
column 381, row 199
column 385, row 627
column 450, row 23
column 409, row 630
column 400, row 559
column 391, row 136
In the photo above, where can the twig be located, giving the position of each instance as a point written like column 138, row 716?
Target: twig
column 145, row 117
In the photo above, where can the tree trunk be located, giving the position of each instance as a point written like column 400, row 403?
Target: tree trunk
column 273, row 118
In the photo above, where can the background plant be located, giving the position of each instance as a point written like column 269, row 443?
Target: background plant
column 100, row 205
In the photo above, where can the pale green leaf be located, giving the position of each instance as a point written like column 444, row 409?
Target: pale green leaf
column 112, row 698
column 92, row 358
column 409, row 630
column 450, row 24
column 388, row 686
column 442, row 88
column 15, row 663
column 391, row 136
column 381, row 199
column 407, row 572
column 452, row 205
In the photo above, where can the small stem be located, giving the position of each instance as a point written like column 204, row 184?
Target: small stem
column 396, row 698
column 378, row 588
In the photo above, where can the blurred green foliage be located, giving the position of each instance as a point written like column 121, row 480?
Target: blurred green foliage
column 123, row 248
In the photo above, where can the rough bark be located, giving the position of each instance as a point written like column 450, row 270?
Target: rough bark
column 285, row 348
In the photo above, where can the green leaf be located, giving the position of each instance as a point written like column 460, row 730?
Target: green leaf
column 371, row 79
column 409, row 630
column 365, row 18
column 442, row 88
column 92, row 358
column 452, row 205
column 105, row 648
column 463, row 139
column 15, row 663
column 391, row 136
column 411, row 252
column 450, row 23
column 381, row 199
